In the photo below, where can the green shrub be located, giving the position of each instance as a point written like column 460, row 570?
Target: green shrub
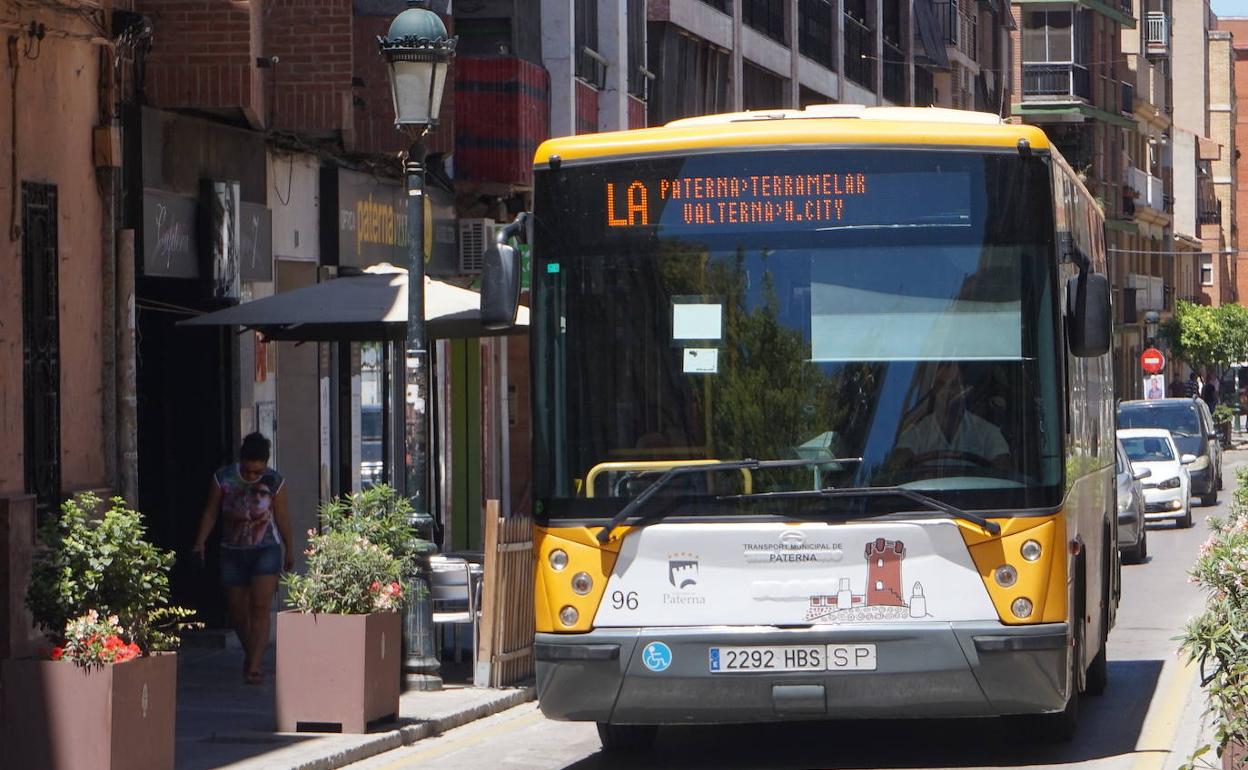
column 382, row 516
column 86, row 563
column 1223, row 414
column 346, row 575
column 1217, row 638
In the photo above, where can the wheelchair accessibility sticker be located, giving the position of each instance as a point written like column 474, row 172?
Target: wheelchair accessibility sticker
column 657, row 656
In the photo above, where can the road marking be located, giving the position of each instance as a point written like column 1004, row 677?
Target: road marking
column 454, row 744
column 1162, row 723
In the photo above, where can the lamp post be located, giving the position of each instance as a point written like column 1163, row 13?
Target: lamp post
column 418, row 51
column 1151, row 319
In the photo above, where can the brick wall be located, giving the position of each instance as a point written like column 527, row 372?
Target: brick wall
column 203, row 55
column 311, row 85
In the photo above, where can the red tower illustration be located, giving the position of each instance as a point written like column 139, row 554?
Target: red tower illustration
column 884, row 572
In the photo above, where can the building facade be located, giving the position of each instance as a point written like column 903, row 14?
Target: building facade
column 63, row 303
column 1238, row 27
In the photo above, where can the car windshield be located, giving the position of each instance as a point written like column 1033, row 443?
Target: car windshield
column 1148, row 449
column 891, row 321
column 1179, row 418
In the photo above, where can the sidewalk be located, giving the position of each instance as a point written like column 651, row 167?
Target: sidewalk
column 223, row 723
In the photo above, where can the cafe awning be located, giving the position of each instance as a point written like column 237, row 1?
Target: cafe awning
column 362, row 308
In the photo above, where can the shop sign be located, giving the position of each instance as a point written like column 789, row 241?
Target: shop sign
column 255, row 242
column 373, row 224
column 169, row 232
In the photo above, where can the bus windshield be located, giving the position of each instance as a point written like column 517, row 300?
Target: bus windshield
column 888, row 315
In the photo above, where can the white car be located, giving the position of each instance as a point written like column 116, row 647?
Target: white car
column 1167, row 489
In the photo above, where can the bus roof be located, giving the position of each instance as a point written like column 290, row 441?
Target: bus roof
column 830, row 124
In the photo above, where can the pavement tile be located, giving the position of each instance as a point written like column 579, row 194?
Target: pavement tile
column 225, row 724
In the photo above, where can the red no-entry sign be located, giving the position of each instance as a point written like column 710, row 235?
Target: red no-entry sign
column 1152, row 361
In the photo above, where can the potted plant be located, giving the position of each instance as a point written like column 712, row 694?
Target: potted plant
column 1223, row 419
column 339, row 650
column 1217, row 638
column 103, row 694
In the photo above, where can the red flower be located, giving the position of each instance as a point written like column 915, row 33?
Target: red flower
column 376, row 586
column 56, row 653
column 395, row 589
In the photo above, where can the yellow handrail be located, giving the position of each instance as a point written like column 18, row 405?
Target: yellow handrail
column 655, row 465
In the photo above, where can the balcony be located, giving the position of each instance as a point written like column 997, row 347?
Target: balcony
column 1157, row 34
column 1209, row 211
column 1045, row 81
column 504, row 113
column 958, row 22
column 859, row 52
column 1150, row 191
column 814, row 30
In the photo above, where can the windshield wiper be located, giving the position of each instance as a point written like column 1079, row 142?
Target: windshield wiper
column 634, row 505
column 991, row 527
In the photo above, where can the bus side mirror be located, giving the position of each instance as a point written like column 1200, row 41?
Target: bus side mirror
column 1089, row 317
column 500, row 278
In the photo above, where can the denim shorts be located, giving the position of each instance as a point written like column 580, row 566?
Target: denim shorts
column 239, row 566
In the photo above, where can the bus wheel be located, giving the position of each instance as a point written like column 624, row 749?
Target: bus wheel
column 624, row 738
column 1097, row 677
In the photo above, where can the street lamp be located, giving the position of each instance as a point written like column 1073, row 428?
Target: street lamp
column 1151, row 319
column 418, row 52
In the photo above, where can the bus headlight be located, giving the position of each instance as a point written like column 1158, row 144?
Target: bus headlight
column 1021, row 607
column 558, row 559
column 582, row 583
column 568, row 615
column 1005, row 575
column 1031, row 550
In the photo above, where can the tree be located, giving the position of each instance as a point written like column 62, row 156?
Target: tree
column 1207, row 336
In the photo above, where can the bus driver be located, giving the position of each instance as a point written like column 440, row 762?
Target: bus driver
column 950, row 431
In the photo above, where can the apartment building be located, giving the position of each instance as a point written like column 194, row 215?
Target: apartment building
column 1201, row 63
column 1238, row 27
column 718, row 55
column 1073, row 79
column 1224, row 169
column 1146, row 270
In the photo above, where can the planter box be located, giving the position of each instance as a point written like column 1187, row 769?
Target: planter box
column 115, row 717
column 337, row 673
column 1234, row 756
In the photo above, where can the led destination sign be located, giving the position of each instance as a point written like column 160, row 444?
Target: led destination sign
column 731, row 200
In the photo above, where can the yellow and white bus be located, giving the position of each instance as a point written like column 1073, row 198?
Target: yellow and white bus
column 823, row 423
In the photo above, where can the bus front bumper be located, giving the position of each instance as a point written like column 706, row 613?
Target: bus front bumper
column 922, row 670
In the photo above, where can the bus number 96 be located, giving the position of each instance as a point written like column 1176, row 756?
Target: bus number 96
column 621, row 600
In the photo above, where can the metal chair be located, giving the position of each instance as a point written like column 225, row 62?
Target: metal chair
column 455, row 595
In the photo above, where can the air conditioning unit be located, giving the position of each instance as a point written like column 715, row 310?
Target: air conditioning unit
column 475, row 236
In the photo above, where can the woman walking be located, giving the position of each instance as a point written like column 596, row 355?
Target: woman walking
column 250, row 499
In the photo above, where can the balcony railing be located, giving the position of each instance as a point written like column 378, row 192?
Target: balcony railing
column 1209, row 212
column 859, row 52
column 766, row 16
column 1157, row 33
column 1052, row 82
column 958, row 22
column 894, row 74
column 814, row 30
column 1149, row 190
column 947, row 20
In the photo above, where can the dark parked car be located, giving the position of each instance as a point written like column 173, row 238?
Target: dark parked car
column 1132, row 536
column 1191, row 425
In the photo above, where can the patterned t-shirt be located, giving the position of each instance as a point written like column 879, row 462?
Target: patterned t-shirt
column 247, row 507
